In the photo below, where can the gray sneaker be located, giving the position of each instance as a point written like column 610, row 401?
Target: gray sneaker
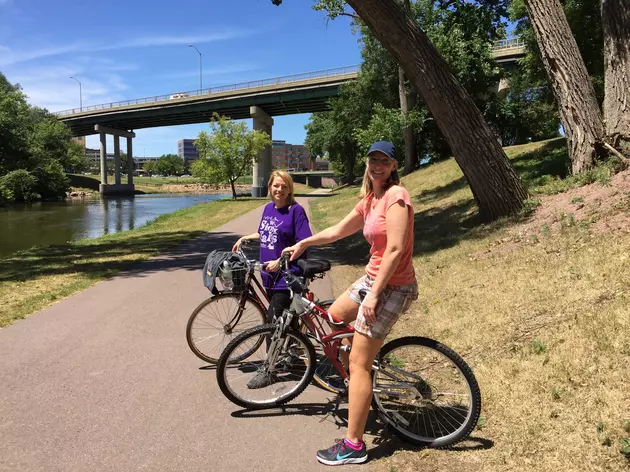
column 261, row 380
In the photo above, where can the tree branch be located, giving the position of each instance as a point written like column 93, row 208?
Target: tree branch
column 351, row 15
column 623, row 158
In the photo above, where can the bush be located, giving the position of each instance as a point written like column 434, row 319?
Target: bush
column 6, row 195
column 52, row 182
column 19, row 186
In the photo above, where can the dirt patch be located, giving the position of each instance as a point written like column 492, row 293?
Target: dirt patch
column 596, row 207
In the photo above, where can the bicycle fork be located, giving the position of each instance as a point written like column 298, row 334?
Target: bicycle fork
column 279, row 342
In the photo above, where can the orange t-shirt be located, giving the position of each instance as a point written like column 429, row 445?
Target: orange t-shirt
column 374, row 212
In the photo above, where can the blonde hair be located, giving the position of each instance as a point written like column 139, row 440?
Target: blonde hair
column 367, row 188
column 284, row 175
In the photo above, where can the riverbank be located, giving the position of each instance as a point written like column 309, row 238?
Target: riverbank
column 536, row 304
column 35, row 278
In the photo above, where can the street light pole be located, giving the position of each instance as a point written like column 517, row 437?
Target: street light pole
column 80, row 93
column 200, row 67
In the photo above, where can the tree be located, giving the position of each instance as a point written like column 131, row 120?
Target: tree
column 573, row 89
column 149, row 167
column 169, row 164
column 228, row 152
column 616, row 32
column 494, row 184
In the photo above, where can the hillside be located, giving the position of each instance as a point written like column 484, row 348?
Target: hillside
column 537, row 304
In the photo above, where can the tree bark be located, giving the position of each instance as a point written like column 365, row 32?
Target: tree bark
column 494, row 184
column 579, row 111
column 233, row 189
column 616, row 28
column 407, row 102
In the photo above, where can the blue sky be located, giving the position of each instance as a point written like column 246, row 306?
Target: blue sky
column 129, row 49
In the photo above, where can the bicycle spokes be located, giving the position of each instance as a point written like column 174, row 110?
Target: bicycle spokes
column 424, row 392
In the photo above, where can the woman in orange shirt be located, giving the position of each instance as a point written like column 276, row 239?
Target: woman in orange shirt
column 385, row 214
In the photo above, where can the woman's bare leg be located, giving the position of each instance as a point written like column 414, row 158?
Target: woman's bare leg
column 345, row 310
column 364, row 351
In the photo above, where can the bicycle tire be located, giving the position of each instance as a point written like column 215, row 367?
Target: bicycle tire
column 231, row 375
column 326, row 374
column 220, row 309
column 440, row 422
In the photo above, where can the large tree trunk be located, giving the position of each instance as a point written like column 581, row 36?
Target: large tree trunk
column 616, row 26
column 572, row 86
column 407, row 102
column 494, row 184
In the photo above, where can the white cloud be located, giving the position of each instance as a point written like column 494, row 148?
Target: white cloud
column 9, row 56
column 51, row 87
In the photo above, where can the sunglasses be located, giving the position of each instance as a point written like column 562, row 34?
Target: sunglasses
column 382, row 161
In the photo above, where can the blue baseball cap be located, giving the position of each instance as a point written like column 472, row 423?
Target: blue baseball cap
column 385, row 147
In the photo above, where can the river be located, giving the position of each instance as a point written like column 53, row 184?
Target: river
column 43, row 223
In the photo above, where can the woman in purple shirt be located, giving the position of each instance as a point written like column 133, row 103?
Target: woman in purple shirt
column 284, row 223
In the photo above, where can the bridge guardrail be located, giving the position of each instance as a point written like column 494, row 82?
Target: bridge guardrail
column 338, row 71
column 508, row 44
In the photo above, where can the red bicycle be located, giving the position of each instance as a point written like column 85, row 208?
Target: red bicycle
column 422, row 389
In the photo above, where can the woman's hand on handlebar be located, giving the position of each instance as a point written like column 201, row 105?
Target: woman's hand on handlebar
column 295, row 250
column 272, row 266
column 237, row 244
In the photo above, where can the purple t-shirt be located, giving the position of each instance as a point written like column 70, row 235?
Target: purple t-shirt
column 280, row 228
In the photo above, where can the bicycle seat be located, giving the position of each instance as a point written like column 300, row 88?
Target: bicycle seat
column 312, row 267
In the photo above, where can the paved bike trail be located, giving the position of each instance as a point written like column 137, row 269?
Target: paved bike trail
column 104, row 381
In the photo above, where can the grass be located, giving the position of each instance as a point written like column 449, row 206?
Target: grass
column 544, row 323
column 32, row 279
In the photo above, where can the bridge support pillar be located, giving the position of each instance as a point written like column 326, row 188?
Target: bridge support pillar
column 117, row 188
column 262, row 168
column 103, row 158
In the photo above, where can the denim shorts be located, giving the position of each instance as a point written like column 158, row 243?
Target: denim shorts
column 393, row 301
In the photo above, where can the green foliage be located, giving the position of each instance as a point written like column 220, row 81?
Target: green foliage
column 369, row 108
column 150, row 167
column 228, row 152
column 19, row 186
column 35, row 142
column 533, row 108
column 538, row 347
column 52, row 182
column 169, row 164
column 386, row 124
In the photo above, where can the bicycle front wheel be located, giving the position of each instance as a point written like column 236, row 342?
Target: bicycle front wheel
column 218, row 320
column 262, row 380
column 425, row 392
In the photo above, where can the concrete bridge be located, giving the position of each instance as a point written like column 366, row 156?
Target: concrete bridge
column 259, row 99
column 312, row 178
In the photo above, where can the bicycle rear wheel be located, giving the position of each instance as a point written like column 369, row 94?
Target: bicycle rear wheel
column 425, row 392
column 256, row 382
column 214, row 323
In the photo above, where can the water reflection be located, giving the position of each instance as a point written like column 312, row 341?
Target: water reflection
column 43, row 223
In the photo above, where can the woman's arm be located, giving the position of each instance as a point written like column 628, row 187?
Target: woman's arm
column 396, row 223
column 249, row 237
column 352, row 223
